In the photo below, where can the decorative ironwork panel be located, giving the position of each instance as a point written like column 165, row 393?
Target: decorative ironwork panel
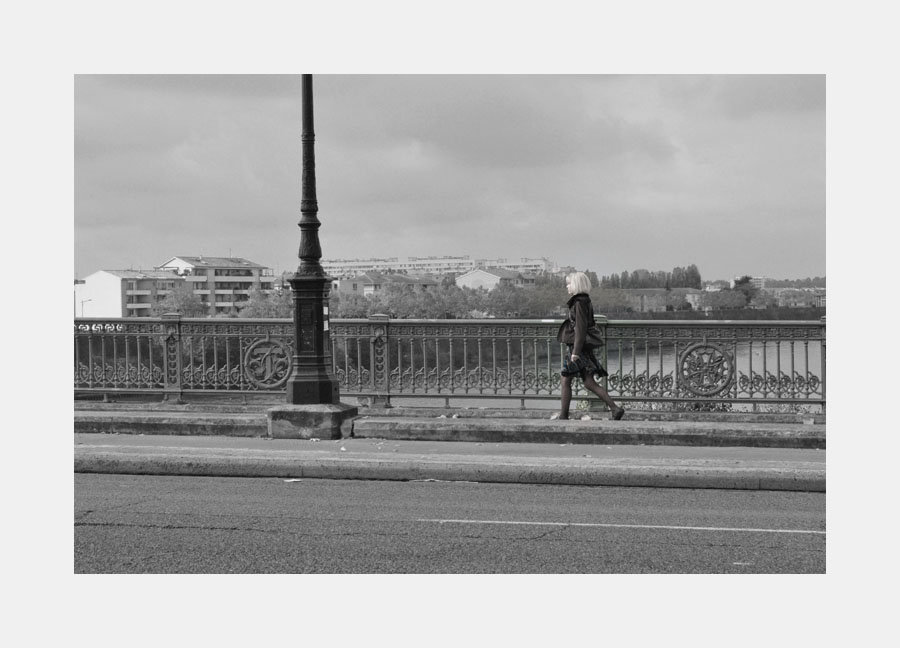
column 716, row 361
column 182, row 355
column 119, row 354
column 236, row 355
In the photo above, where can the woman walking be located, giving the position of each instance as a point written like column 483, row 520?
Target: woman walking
column 580, row 359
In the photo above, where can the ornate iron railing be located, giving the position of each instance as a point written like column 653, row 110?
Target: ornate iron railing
column 382, row 359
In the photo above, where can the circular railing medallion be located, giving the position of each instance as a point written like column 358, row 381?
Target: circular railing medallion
column 705, row 369
column 267, row 364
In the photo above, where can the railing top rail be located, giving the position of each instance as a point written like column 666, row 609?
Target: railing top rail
column 684, row 323
column 506, row 322
column 487, row 320
column 717, row 323
column 188, row 320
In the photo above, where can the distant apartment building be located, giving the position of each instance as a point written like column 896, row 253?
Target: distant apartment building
column 757, row 282
column 657, row 300
column 340, row 268
column 525, row 266
column 716, row 286
column 122, row 293
column 222, row 283
column 372, row 283
column 799, row 297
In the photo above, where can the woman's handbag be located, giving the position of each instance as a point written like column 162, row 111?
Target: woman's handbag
column 566, row 332
column 594, row 336
column 573, row 367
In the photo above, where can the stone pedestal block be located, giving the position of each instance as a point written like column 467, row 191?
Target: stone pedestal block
column 329, row 421
column 376, row 401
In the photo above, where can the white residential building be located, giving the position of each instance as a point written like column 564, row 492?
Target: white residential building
column 647, row 300
column 756, row 282
column 122, row 293
column 371, row 283
column 490, row 278
column 523, row 265
column 221, row 282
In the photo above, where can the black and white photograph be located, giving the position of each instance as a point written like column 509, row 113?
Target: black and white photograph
column 401, row 333
column 609, row 283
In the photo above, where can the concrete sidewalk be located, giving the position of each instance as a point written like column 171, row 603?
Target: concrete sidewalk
column 485, row 426
column 562, row 463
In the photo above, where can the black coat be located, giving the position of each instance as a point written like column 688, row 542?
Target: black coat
column 581, row 316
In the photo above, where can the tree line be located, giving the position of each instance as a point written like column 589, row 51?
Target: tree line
column 545, row 299
column 688, row 277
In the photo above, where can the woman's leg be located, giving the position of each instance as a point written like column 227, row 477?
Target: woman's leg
column 566, row 396
column 593, row 386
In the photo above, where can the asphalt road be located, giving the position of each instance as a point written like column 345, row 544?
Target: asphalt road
column 140, row 524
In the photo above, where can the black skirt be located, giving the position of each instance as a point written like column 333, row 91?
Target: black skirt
column 587, row 363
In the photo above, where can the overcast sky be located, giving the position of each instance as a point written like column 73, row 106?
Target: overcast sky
column 607, row 173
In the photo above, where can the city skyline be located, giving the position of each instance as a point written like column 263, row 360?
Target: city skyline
column 390, row 262
column 607, row 173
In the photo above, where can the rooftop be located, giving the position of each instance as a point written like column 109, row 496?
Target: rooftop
column 219, row 262
column 380, row 278
column 142, row 274
column 500, row 272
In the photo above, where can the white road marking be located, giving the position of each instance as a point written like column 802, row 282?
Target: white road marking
column 625, row 526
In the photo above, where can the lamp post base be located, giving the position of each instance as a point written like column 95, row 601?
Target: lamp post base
column 319, row 389
column 310, row 421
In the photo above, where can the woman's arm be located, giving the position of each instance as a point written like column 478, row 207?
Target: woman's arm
column 581, row 324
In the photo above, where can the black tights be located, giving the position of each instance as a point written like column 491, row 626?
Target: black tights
column 591, row 385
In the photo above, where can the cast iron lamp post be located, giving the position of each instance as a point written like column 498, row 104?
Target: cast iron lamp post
column 311, row 381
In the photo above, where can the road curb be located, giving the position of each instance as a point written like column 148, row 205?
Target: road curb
column 443, row 469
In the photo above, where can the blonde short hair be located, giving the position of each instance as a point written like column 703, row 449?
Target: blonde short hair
column 580, row 282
